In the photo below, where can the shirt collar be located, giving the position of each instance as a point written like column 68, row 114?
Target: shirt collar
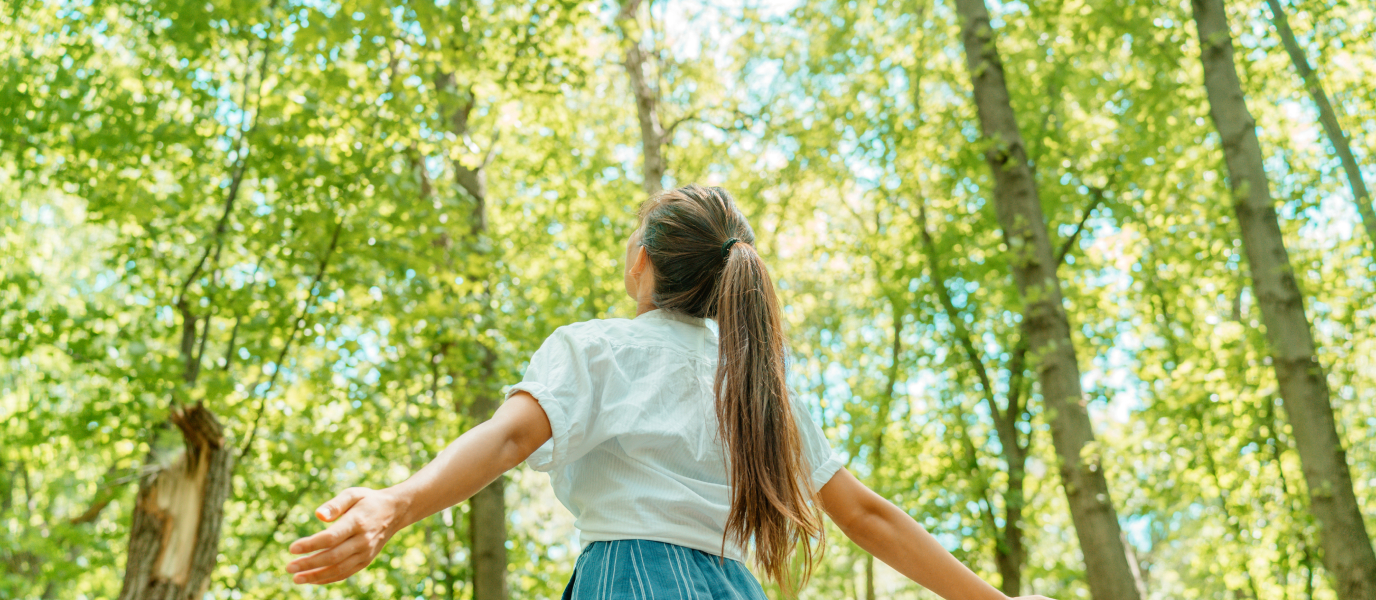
column 672, row 315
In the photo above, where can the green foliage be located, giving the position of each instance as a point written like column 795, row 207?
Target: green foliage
column 257, row 205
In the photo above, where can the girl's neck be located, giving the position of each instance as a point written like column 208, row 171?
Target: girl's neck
column 643, row 305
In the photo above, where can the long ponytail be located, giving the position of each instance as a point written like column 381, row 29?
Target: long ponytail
column 706, row 265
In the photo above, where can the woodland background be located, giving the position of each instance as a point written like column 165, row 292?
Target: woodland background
column 344, row 227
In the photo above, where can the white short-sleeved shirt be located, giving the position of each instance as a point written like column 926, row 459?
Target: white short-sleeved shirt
column 635, row 452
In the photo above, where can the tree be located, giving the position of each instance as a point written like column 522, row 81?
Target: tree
column 1329, row 119
column 124, row 127
column 1009, row 550
column 175, row 535
column 1347, row 551
column 1045, row 324
column 652, row 134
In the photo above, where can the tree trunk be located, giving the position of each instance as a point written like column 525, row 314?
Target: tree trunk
column 487, row 541
column 1329, row 119
column 646, row 99
column 869, row 577
column 175, row 537
column 1347, row 551
column 882, row 422
column 1009, row 554
column 487, row 508
column 1045, row 324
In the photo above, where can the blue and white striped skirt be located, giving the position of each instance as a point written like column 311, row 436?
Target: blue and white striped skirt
column 641, row 569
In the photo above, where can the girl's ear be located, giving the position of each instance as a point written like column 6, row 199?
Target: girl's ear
column 638, row 263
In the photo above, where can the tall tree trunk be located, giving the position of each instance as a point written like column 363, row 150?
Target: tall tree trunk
column 1347, row 551
column 1045, row 324
column 487, row 508
column 487, row 526
column 646, row 99
column 1329, row 119
column 175, row 537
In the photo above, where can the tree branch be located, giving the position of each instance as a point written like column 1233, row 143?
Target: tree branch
column 1096, row 199
column 669, row 131
column 948, row 306
column 886, row 403
column 189, row 355
column 104, row 496
column 238, row 318
column 296, row 329
column 267, row 539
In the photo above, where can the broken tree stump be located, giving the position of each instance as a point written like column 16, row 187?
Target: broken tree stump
column 175, row 537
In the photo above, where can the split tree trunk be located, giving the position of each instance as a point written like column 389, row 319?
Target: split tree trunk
column 1347, row 551
column 1045, row 324
column 646, row 100
column 174, row 540
column 1329, row 119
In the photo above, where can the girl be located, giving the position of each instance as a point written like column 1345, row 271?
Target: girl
column 678, row 450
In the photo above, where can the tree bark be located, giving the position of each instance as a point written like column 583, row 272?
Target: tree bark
column 646, row 100
column 1045, row 324
column 1329, row 119
column 175, row 536
column 1347, row 551
column 487, row 508
column 869, row 577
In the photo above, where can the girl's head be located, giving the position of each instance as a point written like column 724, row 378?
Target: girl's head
column 704, row 264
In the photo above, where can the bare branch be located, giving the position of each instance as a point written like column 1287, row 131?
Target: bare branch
column 106, row 494
column 669, row 131
column 491, row 151
column 190, row 356
column 1096, row 198
column 886, row 402
column 296, row 330
column 953, row 315
column 267, row 539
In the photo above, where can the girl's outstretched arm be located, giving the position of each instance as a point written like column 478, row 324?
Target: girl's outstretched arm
column 365, row 519
column 888, row 533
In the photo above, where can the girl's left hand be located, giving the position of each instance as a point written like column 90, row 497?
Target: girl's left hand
column 364, row 520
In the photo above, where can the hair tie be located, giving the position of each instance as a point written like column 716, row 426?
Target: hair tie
column 726, row 248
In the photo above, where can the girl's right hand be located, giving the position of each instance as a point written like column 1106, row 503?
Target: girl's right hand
column 364, row 520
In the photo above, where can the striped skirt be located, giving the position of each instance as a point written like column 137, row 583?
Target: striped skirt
column 641, row 569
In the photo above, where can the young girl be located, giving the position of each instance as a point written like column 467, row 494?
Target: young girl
column 678, row 450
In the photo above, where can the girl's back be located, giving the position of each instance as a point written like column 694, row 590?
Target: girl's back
column 635, row 451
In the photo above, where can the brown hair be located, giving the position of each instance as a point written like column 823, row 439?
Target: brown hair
column 701, row 272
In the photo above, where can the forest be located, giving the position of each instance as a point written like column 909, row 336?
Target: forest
column 1086, row 287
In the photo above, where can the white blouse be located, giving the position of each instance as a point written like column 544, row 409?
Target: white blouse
column 635, row 452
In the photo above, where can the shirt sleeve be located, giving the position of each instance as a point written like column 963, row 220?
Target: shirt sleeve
column 817, row 451
column 560, row 379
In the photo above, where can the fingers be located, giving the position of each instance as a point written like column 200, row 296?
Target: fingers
column 340, row 504
column 332, row 556
column 334, row 536
column 338, row 572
